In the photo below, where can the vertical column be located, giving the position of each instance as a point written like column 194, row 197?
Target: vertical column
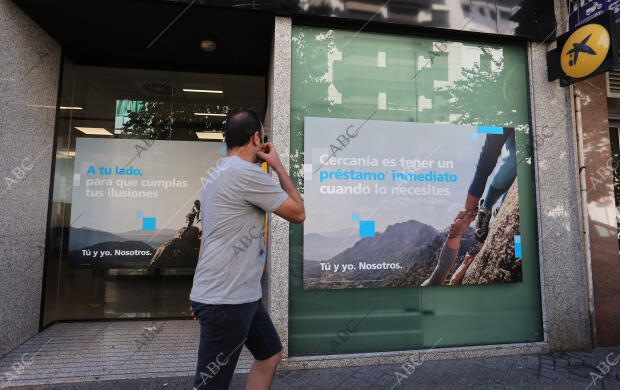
column 29, row 72
column 280, row 110
column 599, row 171
column 563, row 275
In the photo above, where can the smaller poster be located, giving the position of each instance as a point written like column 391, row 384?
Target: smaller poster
column 134, row 202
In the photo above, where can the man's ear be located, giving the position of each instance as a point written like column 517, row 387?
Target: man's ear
column 256, row 138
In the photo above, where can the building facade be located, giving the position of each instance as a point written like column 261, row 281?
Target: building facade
column 142, row 89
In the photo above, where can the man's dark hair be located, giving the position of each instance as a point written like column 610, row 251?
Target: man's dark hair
column 240, row 127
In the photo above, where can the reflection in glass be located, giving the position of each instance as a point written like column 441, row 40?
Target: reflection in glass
column 369, row 76
column 122, row 104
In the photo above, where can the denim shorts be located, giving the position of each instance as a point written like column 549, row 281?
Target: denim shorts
column 224, row 329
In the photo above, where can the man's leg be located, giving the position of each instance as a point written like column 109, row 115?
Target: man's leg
column 264, row 344
column 262, row 373
column 222, row 336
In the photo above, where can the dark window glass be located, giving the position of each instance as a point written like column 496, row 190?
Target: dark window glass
column 178, row 111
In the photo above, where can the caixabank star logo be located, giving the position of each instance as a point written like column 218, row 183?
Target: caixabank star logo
column 584, row 52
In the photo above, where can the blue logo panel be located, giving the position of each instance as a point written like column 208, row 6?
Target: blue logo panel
column 490, row 130
column 367, row 228
column 517, row 247
column 148, row 223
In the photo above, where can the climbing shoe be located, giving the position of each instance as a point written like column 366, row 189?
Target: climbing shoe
column 482, row 222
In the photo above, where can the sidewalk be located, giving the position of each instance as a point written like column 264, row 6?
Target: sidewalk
column 120, row 356
column 555, row 371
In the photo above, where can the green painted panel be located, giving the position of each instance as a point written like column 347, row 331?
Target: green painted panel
column 343, row 74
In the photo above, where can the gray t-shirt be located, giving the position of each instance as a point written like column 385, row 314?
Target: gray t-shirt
column 235, row 198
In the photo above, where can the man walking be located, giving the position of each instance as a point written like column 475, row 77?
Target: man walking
column 226, row 293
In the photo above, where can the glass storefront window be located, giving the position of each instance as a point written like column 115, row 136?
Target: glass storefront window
column 125, row 137
column 372, row 76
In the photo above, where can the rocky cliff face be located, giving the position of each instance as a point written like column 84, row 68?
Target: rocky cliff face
column 181, row 251
column 427, row 258
column 496, row 263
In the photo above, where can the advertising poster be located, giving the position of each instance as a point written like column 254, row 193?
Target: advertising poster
column 133, row 202
column 384, row 199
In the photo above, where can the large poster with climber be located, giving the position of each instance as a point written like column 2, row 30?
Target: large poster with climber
column 396, row 204
column 136, row 202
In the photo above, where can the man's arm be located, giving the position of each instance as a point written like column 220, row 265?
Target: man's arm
column 293, row 207
column 487, row 160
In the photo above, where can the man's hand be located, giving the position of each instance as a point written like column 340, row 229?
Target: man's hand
column 467, row 214
column 458, row 227
column 192, row 312
column 462, row 221
column 270, row 156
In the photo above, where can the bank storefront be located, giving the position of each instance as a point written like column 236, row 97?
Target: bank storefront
column 408, row 98
column 389, row 131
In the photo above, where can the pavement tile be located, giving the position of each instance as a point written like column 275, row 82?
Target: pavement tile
column 103, row 357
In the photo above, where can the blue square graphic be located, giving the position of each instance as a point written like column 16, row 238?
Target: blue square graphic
column 355, row 216
column 148, row 223
column 139, row 214
column 490, row 130
column 517, row 246
column 473, row 136
column 367, row 228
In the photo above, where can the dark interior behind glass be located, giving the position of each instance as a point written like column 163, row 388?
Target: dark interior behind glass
column 163, row 105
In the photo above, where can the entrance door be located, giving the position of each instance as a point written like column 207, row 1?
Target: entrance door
column 134, row 148
column 138, row 131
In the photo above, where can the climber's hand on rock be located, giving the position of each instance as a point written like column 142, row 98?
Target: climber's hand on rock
column 457, row 278
column 468, row 259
